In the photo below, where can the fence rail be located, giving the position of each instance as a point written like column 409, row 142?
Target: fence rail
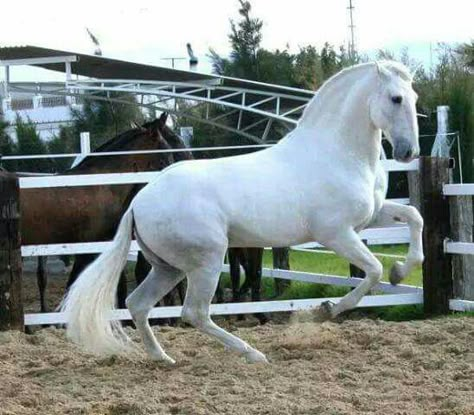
column 465, row 189
column 374, row 236
column 433, row 206
column 241, row 308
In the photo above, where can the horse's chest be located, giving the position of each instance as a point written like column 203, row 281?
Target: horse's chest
column 367, row 207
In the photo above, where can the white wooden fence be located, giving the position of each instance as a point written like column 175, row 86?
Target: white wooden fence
column 457, row 247
column 401, row 294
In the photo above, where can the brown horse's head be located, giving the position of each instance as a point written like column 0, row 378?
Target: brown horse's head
column 149, row 136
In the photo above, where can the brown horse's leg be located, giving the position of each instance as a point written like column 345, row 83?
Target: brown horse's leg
column 122, row 289
column 281, row 260
column 42, row 279
column 218, row 297
column 254, row 266
column 235, row 256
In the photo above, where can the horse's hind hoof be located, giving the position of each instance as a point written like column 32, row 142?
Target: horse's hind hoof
column 254, row 356
column 163, row 358
column 396, row 273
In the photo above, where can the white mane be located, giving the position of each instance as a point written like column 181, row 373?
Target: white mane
column 347, row 74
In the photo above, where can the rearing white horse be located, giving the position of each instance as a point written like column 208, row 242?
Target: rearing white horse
column 186, row 219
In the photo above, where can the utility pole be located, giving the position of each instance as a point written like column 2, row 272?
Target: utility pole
column 351, row 27
column 173, row 59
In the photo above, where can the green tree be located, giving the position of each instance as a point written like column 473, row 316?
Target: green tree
column 307, row 70
column 103, row 119
column 467, row 53
column 64, row 142
column 245, row 38
column 7, row 147
column 29, row 142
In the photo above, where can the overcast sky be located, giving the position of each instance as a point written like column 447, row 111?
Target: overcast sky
column 148, row 30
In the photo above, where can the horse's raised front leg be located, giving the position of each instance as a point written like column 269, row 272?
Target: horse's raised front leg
column 202, row 284
column 349, row 245
column 394, row 212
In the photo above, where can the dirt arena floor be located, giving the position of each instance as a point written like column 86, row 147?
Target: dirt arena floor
column 348, row 367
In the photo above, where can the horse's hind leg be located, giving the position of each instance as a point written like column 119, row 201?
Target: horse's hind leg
column 161, row 279
column 202, row 284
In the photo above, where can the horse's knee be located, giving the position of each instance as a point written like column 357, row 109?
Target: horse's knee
column 375, row 272
column 415, row 218
column 137, row 310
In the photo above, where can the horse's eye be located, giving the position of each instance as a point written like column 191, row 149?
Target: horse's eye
column 397, row 99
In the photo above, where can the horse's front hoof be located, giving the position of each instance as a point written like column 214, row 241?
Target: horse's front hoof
column 325, row 311
column 254, row 356
column 396, row 273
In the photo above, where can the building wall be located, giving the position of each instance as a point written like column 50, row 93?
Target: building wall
column 47, row 113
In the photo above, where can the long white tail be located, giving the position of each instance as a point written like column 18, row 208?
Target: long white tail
column 93, row 296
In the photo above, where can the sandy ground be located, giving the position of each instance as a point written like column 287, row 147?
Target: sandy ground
column 349, row 367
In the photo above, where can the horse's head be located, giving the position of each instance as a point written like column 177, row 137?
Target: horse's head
column 393, row 109
column 149, row 136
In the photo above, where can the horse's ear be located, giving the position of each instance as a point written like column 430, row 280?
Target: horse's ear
column 382, row 72
column 163, row 118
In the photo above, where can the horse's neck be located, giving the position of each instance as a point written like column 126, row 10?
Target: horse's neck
column 339, row 113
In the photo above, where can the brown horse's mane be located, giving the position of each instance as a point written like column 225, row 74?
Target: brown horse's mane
column 118, row 142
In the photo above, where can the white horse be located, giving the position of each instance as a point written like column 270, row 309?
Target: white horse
column 186, row 219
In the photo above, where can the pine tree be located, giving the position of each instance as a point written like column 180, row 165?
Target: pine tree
column 29, row 142
column 103, row 119
column 7, row 147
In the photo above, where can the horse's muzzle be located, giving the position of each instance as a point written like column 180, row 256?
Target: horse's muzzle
column 404, row 151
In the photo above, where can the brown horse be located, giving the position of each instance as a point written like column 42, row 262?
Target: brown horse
column 91, row 213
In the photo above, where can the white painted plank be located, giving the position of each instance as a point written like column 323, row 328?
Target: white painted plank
column 462, row 248
column 139, row 177
column 393, row 165
column 242, row 308
column 336, row 280
column 98, row 247
column 381, row 235
column 400, row 200
column 465, row 189
column 70, row 249
column 131, row 152
column 328, row 279
column 87, row 180
column 461, row 305
column 325, row 252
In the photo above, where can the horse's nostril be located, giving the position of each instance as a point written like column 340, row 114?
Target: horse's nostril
column 408, row 154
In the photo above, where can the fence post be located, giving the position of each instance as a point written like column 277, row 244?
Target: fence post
column 85, row 143
column 11, row 306
column 462, row 230
column 434, row 207
column 414, row 192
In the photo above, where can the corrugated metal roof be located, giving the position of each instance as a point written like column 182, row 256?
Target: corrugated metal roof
column 108, row 68
column 101, row 67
